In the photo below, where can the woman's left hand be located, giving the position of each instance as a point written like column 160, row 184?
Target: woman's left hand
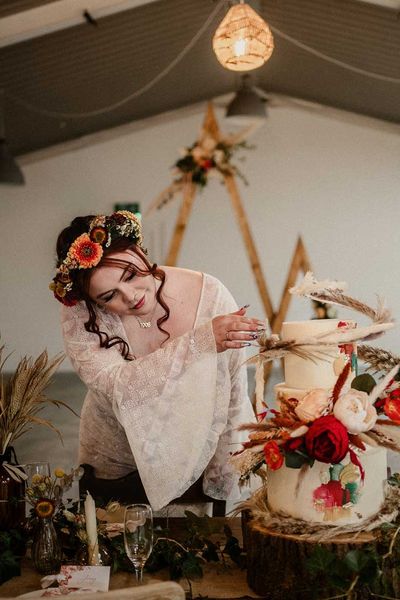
column 235, row 330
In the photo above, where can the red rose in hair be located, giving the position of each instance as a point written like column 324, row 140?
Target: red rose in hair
column 273, row 456
column 327, row 440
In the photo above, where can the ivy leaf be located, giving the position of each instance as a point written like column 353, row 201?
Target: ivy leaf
column 211, row 552
column 235, row 552
column 364, row 563
column 356, row 560
column 364, row 383
column 191, row 568
column 320, row 560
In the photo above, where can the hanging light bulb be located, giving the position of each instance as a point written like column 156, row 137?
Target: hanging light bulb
column 243, row 41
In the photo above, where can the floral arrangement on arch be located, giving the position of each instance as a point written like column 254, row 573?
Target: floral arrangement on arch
column 208, row 154
column 326, row 425
column 211, row 154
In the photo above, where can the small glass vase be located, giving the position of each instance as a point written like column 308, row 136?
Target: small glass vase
column 46, row 548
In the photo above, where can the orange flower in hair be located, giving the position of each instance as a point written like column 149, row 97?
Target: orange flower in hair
column 98, row 235
column 86, row 253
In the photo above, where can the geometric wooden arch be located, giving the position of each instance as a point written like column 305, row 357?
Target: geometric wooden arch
column 300, row 261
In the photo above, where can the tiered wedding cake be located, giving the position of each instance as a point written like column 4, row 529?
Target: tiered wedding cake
column 351, row 489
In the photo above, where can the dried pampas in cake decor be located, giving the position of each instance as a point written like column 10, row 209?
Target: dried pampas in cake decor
column 282, row 433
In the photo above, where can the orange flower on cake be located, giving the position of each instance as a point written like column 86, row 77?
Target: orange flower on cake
column 85, row 252
column 273, row 456
column 391, row 406
column 327, row 440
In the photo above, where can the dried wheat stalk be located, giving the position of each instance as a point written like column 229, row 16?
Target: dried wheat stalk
column 22, row 397
column 378, row 358
column 331, row 292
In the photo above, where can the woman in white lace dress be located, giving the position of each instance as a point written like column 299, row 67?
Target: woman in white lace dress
column 159, row 350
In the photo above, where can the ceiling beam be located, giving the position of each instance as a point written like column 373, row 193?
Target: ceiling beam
column 393, row 4
column 58, row 15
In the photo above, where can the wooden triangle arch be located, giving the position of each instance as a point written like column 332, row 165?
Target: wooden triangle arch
column 300, row 261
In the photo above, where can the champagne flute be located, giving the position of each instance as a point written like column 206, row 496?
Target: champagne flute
column 138, row 536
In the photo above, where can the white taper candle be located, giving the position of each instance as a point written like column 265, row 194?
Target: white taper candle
column 91, row 530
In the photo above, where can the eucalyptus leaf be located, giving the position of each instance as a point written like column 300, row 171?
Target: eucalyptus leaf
column 364, row 383
column 295, row 460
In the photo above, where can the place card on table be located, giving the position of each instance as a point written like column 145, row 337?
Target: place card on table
column 77, row 579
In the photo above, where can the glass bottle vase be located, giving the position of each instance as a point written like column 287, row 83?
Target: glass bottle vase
column 46, row 548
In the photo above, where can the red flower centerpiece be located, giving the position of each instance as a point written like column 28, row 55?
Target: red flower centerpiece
column 327, row 440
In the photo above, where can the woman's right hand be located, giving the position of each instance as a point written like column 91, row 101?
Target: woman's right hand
column 235, row 330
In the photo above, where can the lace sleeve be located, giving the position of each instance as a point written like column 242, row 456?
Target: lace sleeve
column 167, row 402
column 220, row 479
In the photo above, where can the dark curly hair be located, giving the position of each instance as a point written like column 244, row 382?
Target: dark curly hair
column 81, row 278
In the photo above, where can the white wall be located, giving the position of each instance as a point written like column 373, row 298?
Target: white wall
column 330, row 176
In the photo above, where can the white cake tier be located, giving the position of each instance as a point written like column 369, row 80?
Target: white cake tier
column 322, row 372
column 330, row 493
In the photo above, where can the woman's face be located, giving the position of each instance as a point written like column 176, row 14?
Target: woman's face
column 122, row 291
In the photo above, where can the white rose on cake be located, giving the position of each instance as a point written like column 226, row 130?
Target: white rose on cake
column 355, row 411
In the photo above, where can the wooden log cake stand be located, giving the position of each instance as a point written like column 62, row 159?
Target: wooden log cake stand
column 276, row 562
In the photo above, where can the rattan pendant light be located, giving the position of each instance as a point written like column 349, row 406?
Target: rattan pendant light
column 243, row 40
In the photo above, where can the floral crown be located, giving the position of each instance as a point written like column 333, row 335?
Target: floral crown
column 86, row 250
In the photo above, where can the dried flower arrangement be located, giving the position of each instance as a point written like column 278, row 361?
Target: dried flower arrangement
column 22, row 397
column 325, row 426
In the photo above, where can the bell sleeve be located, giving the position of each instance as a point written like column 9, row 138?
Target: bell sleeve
column 220, row 478
column 167, row 402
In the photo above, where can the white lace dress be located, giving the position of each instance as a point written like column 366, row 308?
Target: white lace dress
column 171, row 414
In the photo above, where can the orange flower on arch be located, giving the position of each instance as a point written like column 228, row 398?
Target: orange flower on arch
column 273, row 456
column 86, row 253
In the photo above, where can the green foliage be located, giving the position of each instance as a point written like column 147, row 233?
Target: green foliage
column 12, row 547
column 363, row 383
column 295, row 460
column 204, row 540
column 356, row 574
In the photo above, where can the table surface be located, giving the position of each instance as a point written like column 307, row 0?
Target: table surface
column 219, row 581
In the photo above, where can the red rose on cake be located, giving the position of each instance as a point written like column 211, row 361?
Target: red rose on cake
column 327, row 440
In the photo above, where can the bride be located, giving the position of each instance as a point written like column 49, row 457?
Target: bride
column 160, row 350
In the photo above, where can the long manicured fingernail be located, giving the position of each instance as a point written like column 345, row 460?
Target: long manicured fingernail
column 245, row 306
column 245, row 344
